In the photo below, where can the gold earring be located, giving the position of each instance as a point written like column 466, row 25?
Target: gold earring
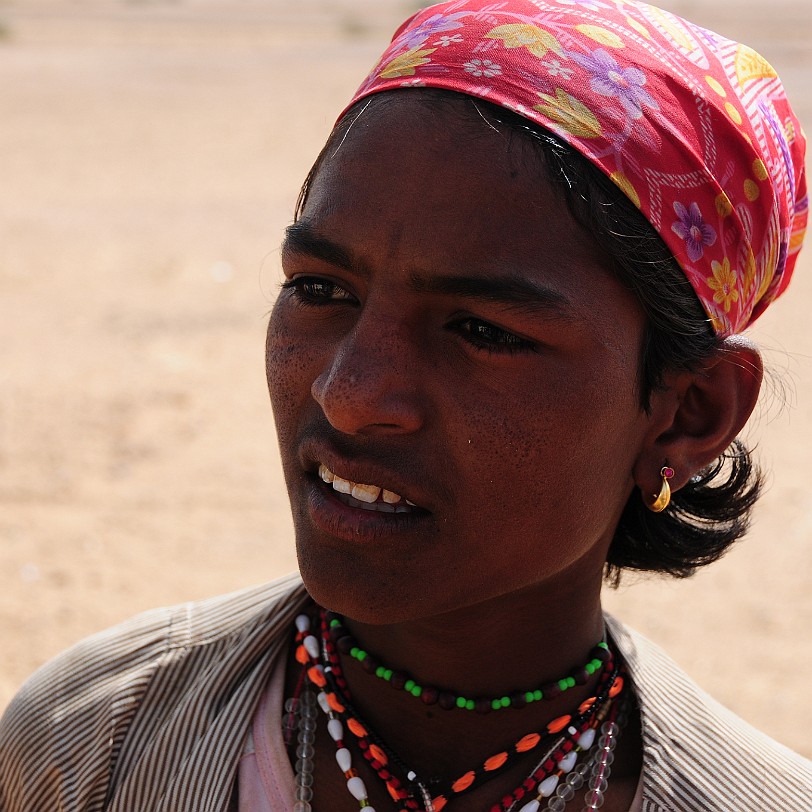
column 662, row 499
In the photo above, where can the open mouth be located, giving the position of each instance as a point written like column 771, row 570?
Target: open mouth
column 365, row 497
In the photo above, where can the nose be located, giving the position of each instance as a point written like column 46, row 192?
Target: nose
column 370, row 384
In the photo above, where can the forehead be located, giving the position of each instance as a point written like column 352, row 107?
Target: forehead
column 439, row 176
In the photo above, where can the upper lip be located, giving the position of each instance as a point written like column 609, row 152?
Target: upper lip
column 358, row 470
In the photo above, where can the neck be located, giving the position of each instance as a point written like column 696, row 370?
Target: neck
column 507, row 644
column 492, row 649
column 495, row 648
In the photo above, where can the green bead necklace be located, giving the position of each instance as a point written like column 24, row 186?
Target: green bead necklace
column 449, row 700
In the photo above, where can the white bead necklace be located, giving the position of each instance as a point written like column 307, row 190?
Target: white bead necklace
column 597, row 766
column 304, row 712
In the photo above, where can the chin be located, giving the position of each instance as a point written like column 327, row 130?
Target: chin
column 352, row 590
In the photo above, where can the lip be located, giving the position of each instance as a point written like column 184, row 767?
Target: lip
column 361, row 471
column 332, row 516
column 329, row 514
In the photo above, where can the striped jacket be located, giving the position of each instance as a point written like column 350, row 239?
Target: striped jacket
column 152, row 715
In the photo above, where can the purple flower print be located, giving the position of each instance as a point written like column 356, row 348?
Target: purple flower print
column 609, row 79
column 692, row 228
column 433, row 25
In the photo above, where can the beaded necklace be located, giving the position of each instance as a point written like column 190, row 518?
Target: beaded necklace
column 447, row 699
column 559, row 793
column 609, row 686
column 565, row 740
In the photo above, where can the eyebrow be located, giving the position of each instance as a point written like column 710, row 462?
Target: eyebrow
column 511, row 289
column 301, row 238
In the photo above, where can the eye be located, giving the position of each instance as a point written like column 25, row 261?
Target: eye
column 313, row 290
column 489, row 337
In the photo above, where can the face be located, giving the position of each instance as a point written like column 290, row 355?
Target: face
column 448, row 338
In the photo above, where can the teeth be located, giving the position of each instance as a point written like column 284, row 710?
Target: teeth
column 380, row 507
column 366, row 493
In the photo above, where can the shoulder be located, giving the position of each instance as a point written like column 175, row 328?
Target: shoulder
column 698, row 755
column 63, row 730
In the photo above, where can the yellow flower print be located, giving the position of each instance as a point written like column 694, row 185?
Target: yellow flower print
column 723, row 282
column 625, row 186
column 535, row 39
column 570, row 114
column 405, row 63
column 601, row 35
column 750, row 270
column 796, row 238
column 641, row 29
column 751, row 65
column 720, row 325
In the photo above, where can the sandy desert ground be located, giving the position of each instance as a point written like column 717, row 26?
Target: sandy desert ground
column 150, row 154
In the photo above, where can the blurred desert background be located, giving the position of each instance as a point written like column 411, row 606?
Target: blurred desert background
column 150, row 156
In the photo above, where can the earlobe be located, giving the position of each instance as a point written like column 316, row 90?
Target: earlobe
column 699, row 414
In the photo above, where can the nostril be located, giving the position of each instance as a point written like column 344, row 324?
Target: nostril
column 366, row 394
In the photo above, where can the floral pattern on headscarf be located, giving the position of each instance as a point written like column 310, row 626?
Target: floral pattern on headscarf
column 695, row 129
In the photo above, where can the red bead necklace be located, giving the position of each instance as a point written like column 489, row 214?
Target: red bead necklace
column 563, row 740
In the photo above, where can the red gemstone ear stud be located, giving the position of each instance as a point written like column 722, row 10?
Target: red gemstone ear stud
column 662, row 499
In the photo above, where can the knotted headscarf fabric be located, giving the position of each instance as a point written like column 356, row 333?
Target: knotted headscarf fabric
column 695, row 129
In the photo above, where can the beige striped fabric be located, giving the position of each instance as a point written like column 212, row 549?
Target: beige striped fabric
column 151, row 715
column 697, row 755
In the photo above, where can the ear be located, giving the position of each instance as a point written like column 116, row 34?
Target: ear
column 699, row 414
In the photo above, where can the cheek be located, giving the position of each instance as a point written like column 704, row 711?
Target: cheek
column 290, row 368
column 550, row 467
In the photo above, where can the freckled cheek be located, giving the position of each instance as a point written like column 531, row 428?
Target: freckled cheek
column 291, row 365
column 542, row 452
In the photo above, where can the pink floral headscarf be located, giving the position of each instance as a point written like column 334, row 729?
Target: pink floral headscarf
column 695, row 129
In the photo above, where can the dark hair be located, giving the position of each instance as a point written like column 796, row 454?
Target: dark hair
column 713, row 509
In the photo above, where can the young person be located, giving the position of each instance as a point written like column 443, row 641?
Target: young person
column 506, row 364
